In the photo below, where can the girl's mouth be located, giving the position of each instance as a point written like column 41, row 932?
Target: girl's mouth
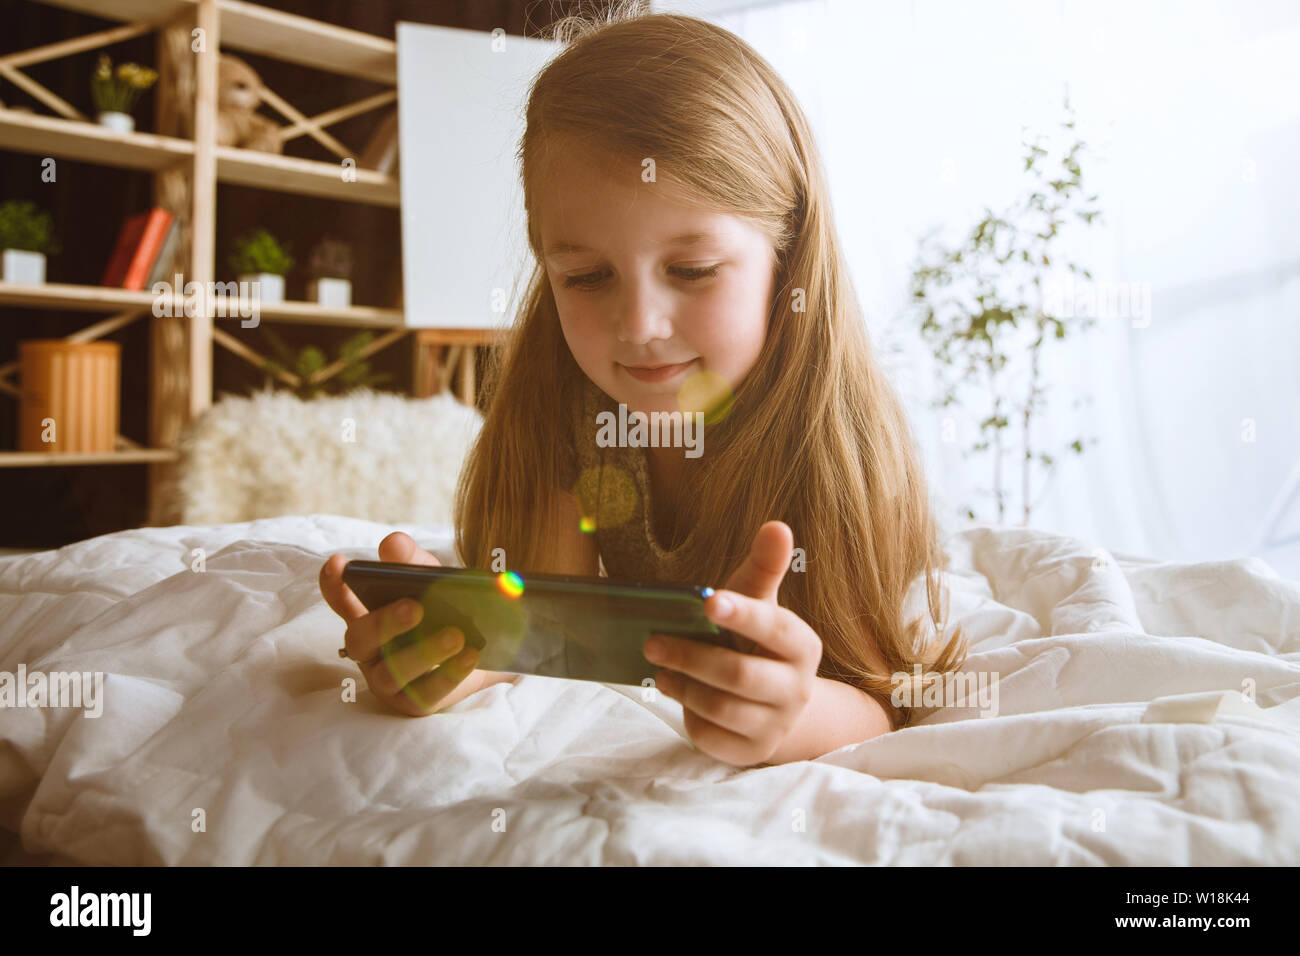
column 663, row 373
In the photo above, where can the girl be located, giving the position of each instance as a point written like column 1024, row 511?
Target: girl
column 686, row 261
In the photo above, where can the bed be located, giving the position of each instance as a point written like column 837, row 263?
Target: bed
column 1147, row 713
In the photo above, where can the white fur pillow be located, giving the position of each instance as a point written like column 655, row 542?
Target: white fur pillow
column 373, row 455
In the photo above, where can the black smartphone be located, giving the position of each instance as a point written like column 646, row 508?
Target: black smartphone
column 553, row 625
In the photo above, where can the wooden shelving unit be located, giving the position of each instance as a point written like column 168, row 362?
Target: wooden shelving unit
column 186, row 170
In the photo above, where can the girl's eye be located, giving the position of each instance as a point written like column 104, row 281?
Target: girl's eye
column 591, row 279
column 582, row 282
column 696, row 274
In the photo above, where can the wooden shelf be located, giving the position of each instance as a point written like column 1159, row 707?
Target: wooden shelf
column 89, row 142
column 134, row 456
column 257, row 29
column 313, row 314
column 307, row 177
column 286, row 36
column 93, row 298
column 84, row 298
column 445, row 336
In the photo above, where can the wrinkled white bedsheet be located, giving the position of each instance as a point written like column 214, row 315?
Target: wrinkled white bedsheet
column 1123, row 735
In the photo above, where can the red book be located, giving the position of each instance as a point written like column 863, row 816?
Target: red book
column 137, row 249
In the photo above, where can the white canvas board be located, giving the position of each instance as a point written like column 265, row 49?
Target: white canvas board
column 461, row 100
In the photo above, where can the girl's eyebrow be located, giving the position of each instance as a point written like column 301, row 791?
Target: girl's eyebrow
column 563, row 246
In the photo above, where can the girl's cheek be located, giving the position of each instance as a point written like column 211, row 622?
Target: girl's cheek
column 591, row 327
column 591, row 340
column 573, row 317
column 724, row 326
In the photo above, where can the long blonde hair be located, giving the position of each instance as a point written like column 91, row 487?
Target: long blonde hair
column 840, row 465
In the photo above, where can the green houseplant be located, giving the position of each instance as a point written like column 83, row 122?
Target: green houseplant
column 26, row 238
column 356, row 371
column 983, row 305
column 259, row 258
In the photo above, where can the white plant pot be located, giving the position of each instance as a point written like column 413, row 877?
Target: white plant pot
column 23, row 266
column 331, row 293
column 121, row 122
column 270, row 288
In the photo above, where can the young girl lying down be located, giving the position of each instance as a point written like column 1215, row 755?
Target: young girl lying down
column 687, row 261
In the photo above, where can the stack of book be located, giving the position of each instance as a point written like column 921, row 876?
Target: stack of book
column 144, row 251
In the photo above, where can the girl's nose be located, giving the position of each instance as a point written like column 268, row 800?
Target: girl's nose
column 643, row 314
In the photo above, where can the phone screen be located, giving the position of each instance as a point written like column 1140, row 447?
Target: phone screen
column 581, row 628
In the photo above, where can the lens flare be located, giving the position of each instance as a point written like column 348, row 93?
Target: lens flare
column 510, row 583
column 586, row 525
column 706, row 392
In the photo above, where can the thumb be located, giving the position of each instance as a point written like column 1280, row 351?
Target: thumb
column 400, row 548
column 763, row 569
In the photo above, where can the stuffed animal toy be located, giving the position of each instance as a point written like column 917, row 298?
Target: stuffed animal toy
column 239, row 95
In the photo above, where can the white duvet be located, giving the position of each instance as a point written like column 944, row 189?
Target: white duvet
column 1147, row 713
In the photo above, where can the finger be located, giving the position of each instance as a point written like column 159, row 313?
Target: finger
column 367, row 634
column 737, row 714
column 402, row 661
column 338, row 595
column 771, row 627
column 759, row 679
column 760, row 574
column 400, row 548
column 721, row 743
column 421, row 696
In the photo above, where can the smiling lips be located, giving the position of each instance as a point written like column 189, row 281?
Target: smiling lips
column 657, row 373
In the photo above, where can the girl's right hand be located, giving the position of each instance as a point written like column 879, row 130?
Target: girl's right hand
column 421, row 678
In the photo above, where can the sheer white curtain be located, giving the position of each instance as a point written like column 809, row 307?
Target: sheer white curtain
column 1192, row 112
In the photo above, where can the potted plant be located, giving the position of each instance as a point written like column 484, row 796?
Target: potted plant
column 986, row 314
column 26, row 236
column 355, row 371
column 115, row 92
column 331, row 267
column 260, row 259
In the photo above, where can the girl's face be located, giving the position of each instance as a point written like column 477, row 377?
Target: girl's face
column 652, row 291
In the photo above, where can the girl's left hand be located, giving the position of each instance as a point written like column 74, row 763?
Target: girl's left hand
column 740, row 706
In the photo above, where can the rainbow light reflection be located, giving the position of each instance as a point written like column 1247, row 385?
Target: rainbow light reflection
column 510, row 583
